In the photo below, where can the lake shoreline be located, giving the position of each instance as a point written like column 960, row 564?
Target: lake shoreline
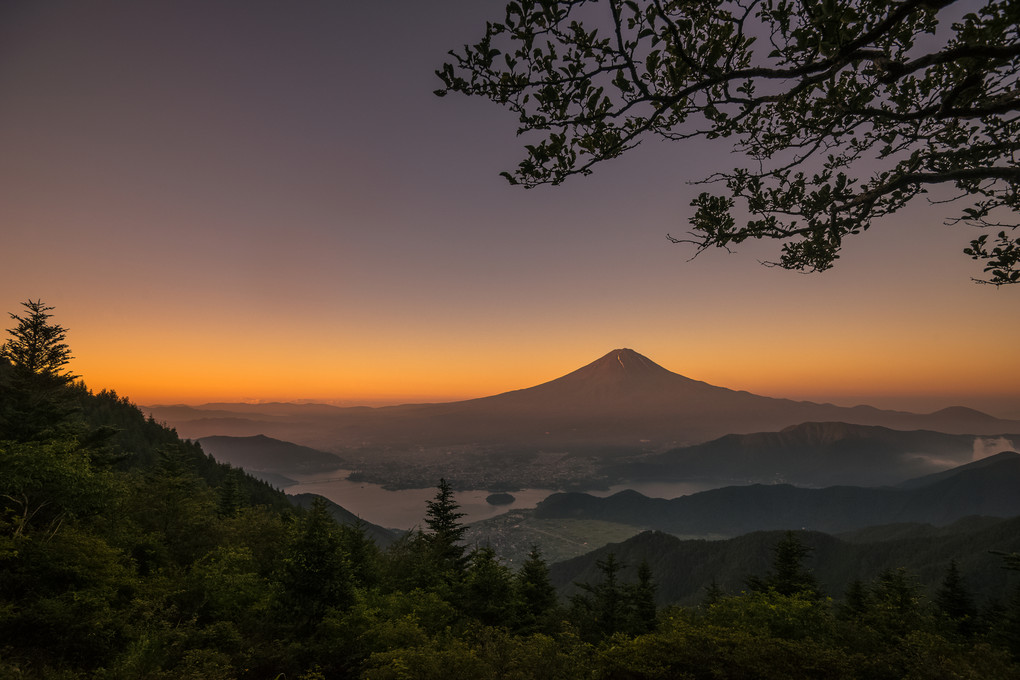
column 404, row 509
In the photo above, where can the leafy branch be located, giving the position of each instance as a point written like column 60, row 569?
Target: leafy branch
column 846, row 110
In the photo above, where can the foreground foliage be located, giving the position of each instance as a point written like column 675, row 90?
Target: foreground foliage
column 172, row 568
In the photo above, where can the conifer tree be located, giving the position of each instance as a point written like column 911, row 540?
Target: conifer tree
column 488, row 589
column 36, row 345
column 713, row 593
column 34, row 404
column 230, row 497
column 362, row 552
column 602, row 608
column 895, row 603
column 955, row 601
column 316, row 574
column 536, row 595
column 644, row 599
column 788, row 576
column 445, row 531
column 855, row 601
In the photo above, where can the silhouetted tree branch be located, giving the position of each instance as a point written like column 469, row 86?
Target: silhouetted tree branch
column 845, row 110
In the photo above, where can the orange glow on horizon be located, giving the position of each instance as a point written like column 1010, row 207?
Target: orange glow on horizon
column 181, row 349
column 905, row 377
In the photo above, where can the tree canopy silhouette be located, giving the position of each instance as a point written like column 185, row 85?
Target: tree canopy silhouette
column 34, row 404
column 36, row 345
column 845, row 111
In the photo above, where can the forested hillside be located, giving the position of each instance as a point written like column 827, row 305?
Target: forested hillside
column 686, row 568
column 127, row 553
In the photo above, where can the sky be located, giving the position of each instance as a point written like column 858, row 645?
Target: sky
column 248, row 200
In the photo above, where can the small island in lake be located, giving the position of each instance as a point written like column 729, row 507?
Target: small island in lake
column 500, row 499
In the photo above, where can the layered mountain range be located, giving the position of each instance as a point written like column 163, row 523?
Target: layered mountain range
column 985, row 487
column 622, row 399
column 968, row 514
column 815, row 454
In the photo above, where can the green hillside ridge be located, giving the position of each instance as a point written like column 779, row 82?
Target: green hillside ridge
column 685, row 568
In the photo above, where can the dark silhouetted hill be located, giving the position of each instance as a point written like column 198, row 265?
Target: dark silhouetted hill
column 927, row 480
column 811, row 454
column 730, row 511
column 265, row 454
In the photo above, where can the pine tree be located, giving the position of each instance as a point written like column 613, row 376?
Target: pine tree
column 895, row 606
column 316, row 573
column 955, row 601
column 789, row 576
column 36, row 345
column 609, row 606
column 488, row 589
column 713, row 593
column 362, row 552
column 230, row 496
column 644, row 600
column 855, row 601
column 536, row 595
column 601, row 609
column 34, row 402
column 445, row 531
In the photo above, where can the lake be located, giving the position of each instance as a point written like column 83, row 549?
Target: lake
column 405, row 508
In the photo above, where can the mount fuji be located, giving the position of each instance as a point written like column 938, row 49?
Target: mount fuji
column 622, row 399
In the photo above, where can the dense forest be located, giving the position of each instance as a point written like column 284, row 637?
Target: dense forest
column 126, row 552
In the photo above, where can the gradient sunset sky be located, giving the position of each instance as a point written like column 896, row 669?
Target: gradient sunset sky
column 249, row 200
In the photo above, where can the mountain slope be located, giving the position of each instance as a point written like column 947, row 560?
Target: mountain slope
column 626, row 399
column 926, row 480
column 813, row 454
column 620, row 399
column 988, row 490
column 265, row 454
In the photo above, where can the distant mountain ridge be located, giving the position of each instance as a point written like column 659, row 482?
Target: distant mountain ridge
column 936, row 477
column 814, row 454
column 260, row 453
column 621, row 399
column 990, row 489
